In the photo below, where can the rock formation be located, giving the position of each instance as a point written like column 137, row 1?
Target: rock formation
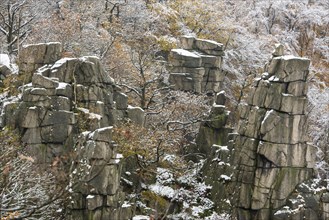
column 271, row 144
column 197, row 66
column 95, row 179
column 212, row 140
column 264, row 171
column 213, row 131
column 32, row 57
column 269, row 156
column 72, row 102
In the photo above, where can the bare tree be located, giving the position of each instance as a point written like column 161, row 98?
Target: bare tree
column 14, row 22
column 114, row 8
column 26, row 190
column 147, row 74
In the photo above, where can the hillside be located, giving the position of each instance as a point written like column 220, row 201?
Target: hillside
column 164, row 109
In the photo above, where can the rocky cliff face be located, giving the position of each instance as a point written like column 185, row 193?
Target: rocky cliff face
column 68, row 105
column 95, row 179
column 264, row 171
column 271, row 146
column 197, row 66
column 269, row 156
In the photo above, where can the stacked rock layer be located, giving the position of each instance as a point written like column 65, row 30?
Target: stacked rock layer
column 95, row 179
column 69, row 105
column 197, row 66
column 271, row 150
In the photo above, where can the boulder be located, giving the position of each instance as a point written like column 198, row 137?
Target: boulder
column 121, row 100
column 210, row 61
column 64, row 89
column 94, row 201
column 99, row 151
column 90, row 71
column 33, row 117
column 297, row 88
column 187, row 42
column 288, row 155
column 64, row 69
column 32, row 136
column 102, row 134
column 184, row 58
column 4, row 71
column 184, row 81
column 206, row 45
column 44, row 82
column 196, row 67
column 293, row 104
column 58, row 117
column 289, row 68
column 5, row 66
column 278, row 50
column 57, row 133
column 41, row 53
column 280, row 128
column 136, row 115
column 42, row 92
column 220, row 98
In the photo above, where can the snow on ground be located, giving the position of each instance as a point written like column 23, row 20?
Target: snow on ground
column 164, row 176
column 4, row 60
column 161, row 190
column 141, row 217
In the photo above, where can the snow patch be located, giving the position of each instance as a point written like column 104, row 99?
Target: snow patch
column 292, row 57
column 170, row 158
column 164, row 191
column 126, row 204
column 5, row 60
column 219, row 106
column 185, row 53
column 225, row 177
column 62, row 85
column 90, row 197
column 220, row 148
column 127, row 181
column 141, row 217
column 119, row 156
column 164, row 176
column 286, row 95
column 268, row 113
column 265, row 75
column 274, row 79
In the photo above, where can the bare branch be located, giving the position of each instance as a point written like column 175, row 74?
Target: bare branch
column 131, row 89
column 3, row 31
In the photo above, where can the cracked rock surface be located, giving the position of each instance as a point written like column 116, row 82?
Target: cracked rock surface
column 197, row 65
column 269, row 157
